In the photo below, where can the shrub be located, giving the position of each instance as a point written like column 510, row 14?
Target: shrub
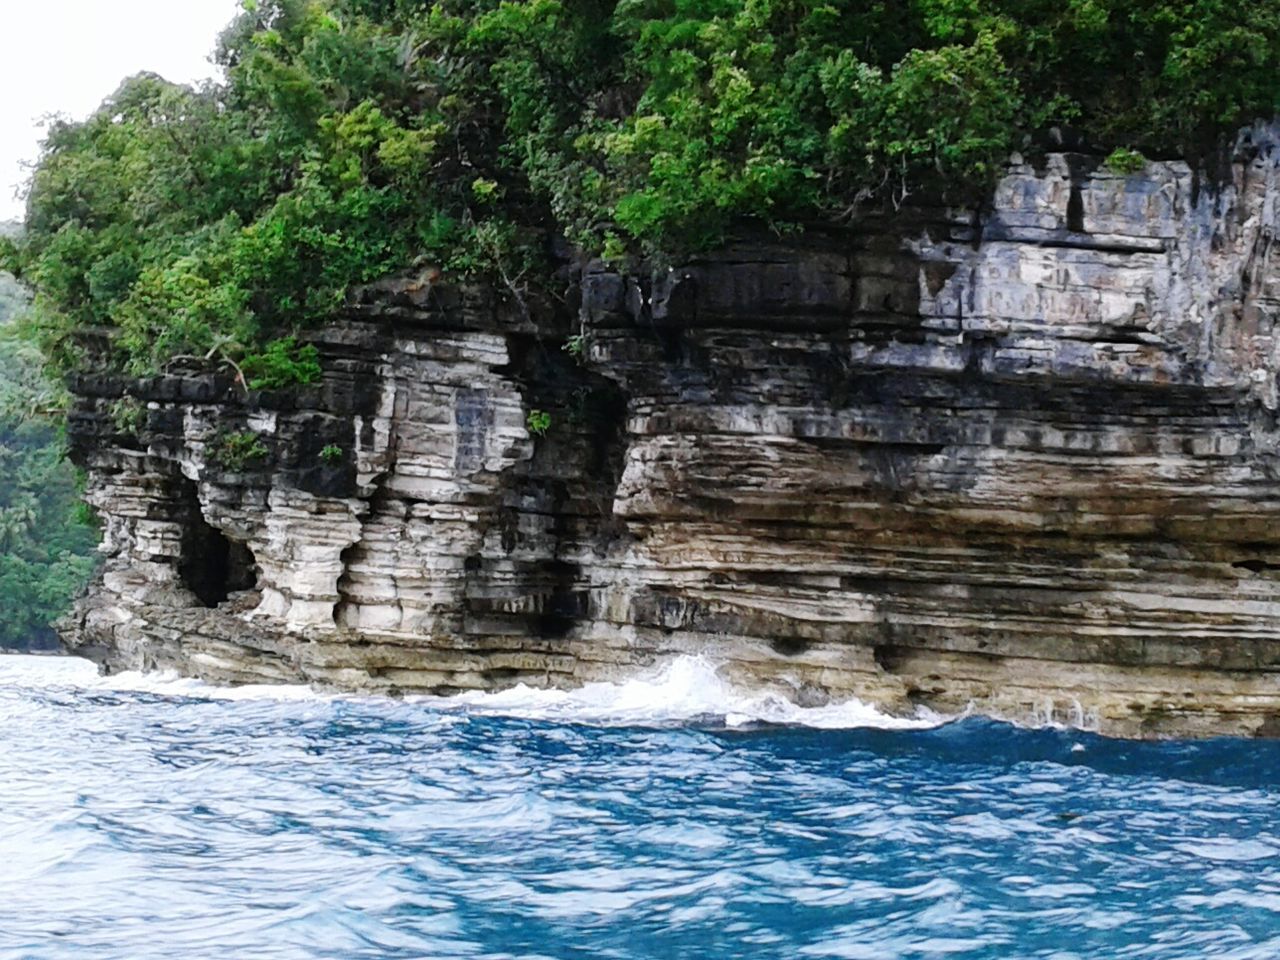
column 236, row 451
column 282, row 363
column 1125, row 161
column 538, row 422
column 331, row 454
column 128, row 415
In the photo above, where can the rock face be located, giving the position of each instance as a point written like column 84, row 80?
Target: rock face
column 1027, row 461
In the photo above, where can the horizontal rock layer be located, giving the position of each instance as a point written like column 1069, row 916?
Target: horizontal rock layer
column 1025, row 460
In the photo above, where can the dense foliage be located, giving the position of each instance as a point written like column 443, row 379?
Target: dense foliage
column 46, row 544
column 354, row 137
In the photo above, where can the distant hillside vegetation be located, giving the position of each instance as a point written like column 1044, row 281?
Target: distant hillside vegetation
column 46, row 540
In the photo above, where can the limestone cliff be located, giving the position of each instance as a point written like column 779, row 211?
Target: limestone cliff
column 1026, row 460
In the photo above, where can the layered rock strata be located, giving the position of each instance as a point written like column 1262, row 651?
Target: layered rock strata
column 1025, row 460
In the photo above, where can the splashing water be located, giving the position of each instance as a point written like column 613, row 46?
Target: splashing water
column 147, row 818
column 687, row 689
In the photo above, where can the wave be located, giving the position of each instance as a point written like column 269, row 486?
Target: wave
column 69, row 672
column 686, row 689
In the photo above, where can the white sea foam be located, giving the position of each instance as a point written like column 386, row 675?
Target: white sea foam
column 169, row 684
column 685, row 689
column 41, row 672
column 22, row 670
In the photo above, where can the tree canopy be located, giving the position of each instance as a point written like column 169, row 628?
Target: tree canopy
column 350, row 138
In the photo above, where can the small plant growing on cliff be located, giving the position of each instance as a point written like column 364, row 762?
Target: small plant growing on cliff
column 331, row 454
column 128, row 415
column 538, row 422
column 85, row 516
column 1125, row 161
column 282, row 363
column 485, row 191
column 576, row 346
column 235, row 451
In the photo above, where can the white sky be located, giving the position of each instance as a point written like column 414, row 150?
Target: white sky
column 67, row 56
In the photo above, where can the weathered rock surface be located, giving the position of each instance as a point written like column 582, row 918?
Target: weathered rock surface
column 1027, row 461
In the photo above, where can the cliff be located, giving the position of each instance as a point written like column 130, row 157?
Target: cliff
column 1027, row 460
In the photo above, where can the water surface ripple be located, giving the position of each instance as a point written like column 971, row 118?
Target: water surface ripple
column 137, row 824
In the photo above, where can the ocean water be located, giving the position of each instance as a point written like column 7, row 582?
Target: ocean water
column 666, row 818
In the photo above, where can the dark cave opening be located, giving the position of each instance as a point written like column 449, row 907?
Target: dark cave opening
column 213, row 566
column 1075, row 209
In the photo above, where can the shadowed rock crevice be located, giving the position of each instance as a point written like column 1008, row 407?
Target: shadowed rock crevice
column 348, row 558
column 214, row 567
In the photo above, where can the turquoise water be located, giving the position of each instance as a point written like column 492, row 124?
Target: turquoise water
column 161, row 822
